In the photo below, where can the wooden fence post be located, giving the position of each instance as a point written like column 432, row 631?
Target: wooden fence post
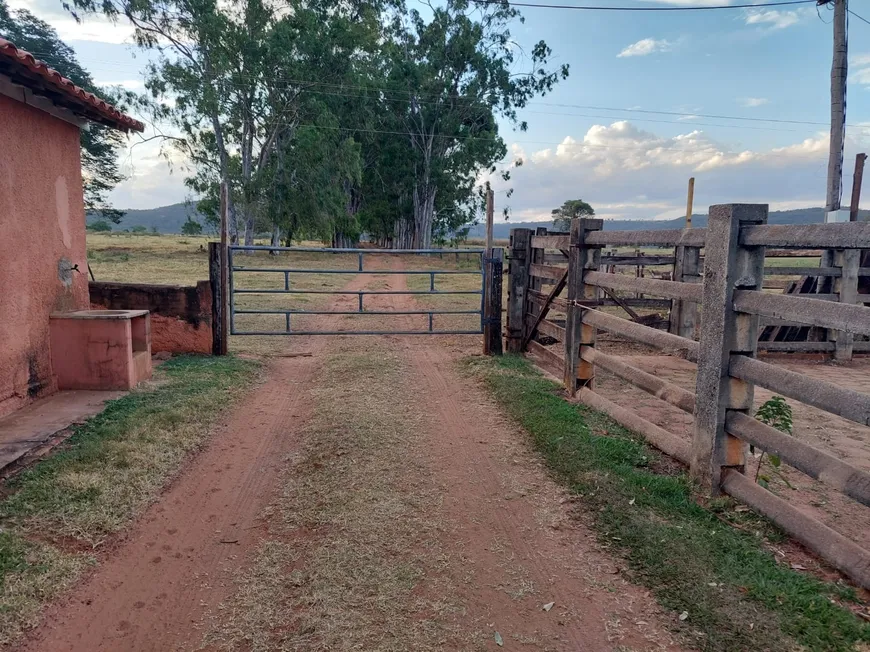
column 846, row 286
column 724, row 331
column 218, row 326
column 518, row 287
column 578, row 372
column 492, row 323
column 687, row 269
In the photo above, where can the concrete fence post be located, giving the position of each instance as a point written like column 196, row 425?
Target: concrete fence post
column 846, row 286
column 724, row 331
column 687, row 269
column 519, row 260
column 581, row 258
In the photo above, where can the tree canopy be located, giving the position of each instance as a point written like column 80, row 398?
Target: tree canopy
column 572, row 208
column 330, row 120
column 100, row 144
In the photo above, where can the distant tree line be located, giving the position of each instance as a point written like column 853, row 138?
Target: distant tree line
column 328, row 119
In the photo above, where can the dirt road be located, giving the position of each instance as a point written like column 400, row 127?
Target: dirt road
column 377, row 453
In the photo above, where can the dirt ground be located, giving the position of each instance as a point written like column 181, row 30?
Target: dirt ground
column 368, row 496
column 839, row 437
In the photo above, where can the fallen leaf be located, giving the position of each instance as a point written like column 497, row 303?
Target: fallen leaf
column 631, row 502
column 548, row 606
column 684, row 615
column 713, row 584
column 798, row 567
column 499, row 640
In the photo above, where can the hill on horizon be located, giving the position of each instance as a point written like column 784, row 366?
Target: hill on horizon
column 168, row 219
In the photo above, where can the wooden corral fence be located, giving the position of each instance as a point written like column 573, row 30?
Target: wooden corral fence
column 732, row 305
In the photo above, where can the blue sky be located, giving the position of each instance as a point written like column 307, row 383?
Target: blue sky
column 766, row 63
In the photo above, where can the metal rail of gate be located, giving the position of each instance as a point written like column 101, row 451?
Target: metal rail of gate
column 361, row 253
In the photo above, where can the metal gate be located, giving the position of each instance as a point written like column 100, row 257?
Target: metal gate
column 286, row 287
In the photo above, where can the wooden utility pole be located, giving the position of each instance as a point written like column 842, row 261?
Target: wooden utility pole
column 839, row 70
column 690, row 200
column 857, row 179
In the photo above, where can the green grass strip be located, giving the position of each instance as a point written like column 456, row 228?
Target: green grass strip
column 736, row 594
column 101, row 477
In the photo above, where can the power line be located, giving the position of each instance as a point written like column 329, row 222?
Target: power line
column 858, row 17
column 609, row 8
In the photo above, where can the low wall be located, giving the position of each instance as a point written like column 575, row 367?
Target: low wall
column 180, row 315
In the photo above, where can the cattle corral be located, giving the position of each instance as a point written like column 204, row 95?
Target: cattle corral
column 713, row 436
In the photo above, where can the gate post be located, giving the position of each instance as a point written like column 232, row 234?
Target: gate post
column 218, row 299
column 687, row 269
column 724, row 332
column 518, row 286
column 581, row 257
column 492, row 316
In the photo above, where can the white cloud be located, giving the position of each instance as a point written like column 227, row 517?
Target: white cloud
column 644, row 47
column 752, row 102
column 772, row 18
column 92, row 27
column 630, row 173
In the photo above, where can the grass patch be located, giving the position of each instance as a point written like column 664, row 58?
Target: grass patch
column 736, row 594
column 106, row 473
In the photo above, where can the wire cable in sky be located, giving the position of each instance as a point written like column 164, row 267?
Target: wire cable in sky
column 858, row 17
column 611, row 8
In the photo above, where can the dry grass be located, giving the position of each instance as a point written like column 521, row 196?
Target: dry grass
column 355, row 531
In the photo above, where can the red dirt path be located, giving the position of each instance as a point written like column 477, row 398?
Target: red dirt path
column 509, row 523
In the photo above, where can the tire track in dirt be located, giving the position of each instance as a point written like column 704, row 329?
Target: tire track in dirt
column 512, row 532
column 153, row 589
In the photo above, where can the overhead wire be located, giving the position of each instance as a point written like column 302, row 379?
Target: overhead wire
column 533, row 5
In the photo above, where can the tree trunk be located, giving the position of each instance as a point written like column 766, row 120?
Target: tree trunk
column 404, row 234
column 276, row 239
column 424, row 214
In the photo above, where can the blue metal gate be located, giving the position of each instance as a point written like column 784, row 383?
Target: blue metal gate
column 288, row 273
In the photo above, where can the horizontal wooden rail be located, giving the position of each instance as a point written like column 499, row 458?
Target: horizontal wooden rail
column 665, row 441
column 840, row 552
column 658, row 387
column 799, row 308
column 546, row 327
column 551, row 241
column 651, row 238
column 797, row 347
column 539, row 298
column 846, row 235
column 818, row 393
column 803, row 271
column 634, row 261
column 560, row 303
column 548, row 360
column 547, row 271
column 817, row 464
column 669, row 289
column 638, row 332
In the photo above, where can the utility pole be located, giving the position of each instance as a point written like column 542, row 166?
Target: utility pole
column 839, row 69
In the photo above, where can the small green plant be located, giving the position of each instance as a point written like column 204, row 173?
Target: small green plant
column 776, row 413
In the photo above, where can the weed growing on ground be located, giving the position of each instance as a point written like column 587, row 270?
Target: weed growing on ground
column 735, row 594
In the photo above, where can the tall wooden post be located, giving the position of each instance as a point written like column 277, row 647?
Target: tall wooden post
column 218, row 341
column 581, row 257
column 492, row 324
column 490, row 215
column 690, row 200
column 839, row 71
column 519, row 260
column 857, row 180
column 724, row 331
column 225, row 270
column 846, row 286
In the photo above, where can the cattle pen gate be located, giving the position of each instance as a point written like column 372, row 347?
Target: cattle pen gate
column 560, row 295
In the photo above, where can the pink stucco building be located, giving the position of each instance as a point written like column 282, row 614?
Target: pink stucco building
column 43, row 262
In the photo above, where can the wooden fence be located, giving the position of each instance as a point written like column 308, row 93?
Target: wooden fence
column 732, row 307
